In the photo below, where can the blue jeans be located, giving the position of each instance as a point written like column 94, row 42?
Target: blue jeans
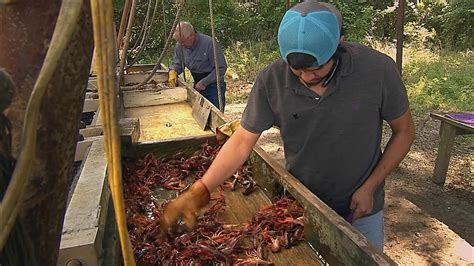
column 210, row 93
column 372, row 228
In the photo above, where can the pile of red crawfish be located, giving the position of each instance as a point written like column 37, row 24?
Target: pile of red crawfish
column 211, row 242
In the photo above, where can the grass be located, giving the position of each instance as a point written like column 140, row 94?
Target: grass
column 441, row 82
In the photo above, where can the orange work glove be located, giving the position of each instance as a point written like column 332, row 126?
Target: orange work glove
column 172, row 78
column 185, row 206
column 223, row 132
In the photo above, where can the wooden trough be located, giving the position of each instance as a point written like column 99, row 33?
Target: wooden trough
column 166, row 127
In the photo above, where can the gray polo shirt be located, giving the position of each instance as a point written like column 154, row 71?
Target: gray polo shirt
column 199, row 59
column 331, row 143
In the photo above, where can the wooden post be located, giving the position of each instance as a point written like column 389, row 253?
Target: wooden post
column 123, row 23
column 400, row 26
column 447, row 134
column 26, row 29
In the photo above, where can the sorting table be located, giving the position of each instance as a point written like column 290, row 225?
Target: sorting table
column 448, row 130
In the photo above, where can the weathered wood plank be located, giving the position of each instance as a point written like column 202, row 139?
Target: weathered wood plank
column 92, row 84
column 85, row 216
column 165, row 148
column 151, row 97
column 128, row 127
column 129, row 131
column 447, row 134
column 335, row 239
column 91, row 131
column 201, row 112
column 97, row 120
column 135, row 78
column 240, row 208
column 90, row 105
column 462, row 128
column 141, row 68
column 165, row 121
column 81, row 149
column 216, row 117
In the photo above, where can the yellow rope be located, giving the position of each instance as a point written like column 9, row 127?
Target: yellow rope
column 10, row 206
column 104, row 40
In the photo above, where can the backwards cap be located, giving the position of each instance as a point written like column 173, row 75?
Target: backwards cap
column 311, row 28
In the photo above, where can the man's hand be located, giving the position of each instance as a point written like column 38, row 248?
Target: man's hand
column 172, row 78
column 185, row 206
column 200, row 86
column 362, row 202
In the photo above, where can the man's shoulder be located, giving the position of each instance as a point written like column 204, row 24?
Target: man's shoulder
column 204, row 36
column 275, row 67
column 366, row 54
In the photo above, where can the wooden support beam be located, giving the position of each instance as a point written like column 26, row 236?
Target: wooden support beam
column 447, row 134
column 90, row 105
column 140, row 68
column 129, row 134
column 82, row 147
column 85, row 216
column 91, row 131
column 92, row 84
column 135, row 78
column 449, row 128
column 334, row 238
column 400, row 36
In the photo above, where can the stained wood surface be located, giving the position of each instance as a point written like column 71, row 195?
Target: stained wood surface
column 240, row 208
column 462, row 127
column 335, row 239
column 135, row 78
column 201, row 112
column 165, row 121
column 85, row 216
column 137, row 68
column 90, row 105
column 153, row 97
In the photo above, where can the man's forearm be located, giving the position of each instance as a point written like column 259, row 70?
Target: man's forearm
column 232, row 155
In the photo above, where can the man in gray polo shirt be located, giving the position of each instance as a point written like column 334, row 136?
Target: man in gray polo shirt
column 195, row 51
column 329, row 99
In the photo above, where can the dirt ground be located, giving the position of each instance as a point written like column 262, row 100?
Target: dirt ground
column 424, row 223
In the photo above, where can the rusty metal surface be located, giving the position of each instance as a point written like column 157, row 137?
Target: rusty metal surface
column 27, row 28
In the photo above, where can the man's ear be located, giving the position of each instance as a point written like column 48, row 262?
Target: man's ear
column 342, row 39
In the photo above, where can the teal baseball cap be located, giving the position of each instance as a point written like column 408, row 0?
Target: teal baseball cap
column 311, row 28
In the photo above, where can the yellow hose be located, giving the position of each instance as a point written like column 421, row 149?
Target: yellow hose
column 104, row 40
column 10, row 206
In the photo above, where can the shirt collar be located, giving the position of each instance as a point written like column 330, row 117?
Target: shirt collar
column 345, row 68
column 196, row 40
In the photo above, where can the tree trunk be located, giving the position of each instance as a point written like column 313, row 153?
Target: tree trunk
column 27, row 27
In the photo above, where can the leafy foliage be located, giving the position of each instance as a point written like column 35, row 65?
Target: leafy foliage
column 247, row 31
column 441, row 82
